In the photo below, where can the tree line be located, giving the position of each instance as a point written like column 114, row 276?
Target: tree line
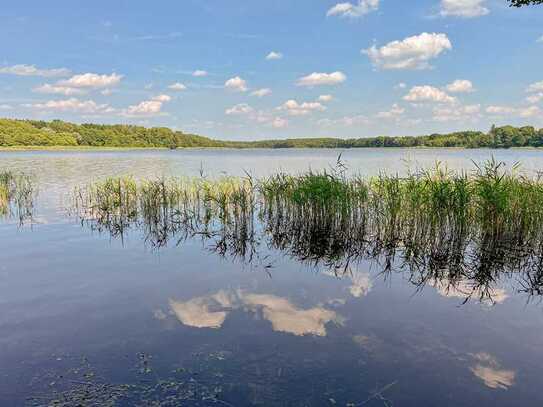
column 15, row 133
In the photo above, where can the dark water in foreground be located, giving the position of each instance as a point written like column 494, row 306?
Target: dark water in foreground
column 186, row 326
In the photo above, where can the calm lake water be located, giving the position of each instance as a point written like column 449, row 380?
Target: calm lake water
column 81, row 309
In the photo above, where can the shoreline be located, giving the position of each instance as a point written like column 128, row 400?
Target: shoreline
column 8, row 149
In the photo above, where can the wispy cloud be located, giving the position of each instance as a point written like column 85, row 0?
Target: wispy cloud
column 241, row 109
column 261, row 92
column 158, row 37
column 463, row 8
column 177, row 86
column 32, row 70
column 355, row 10
column 58, row 90
column 72, row 105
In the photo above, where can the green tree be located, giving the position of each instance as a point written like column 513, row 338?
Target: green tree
column 521, row 3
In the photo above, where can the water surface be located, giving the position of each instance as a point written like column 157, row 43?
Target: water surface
column 80, row 307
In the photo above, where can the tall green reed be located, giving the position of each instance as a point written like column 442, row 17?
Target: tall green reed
column 437, row 218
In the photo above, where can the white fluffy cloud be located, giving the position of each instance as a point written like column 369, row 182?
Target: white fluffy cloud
column 147, row 108
column 293, row 108
column 422, row 94
column 463, row 8
column 31, row 70
column 72, row 105
column 80, row 84
column 411, row 53
column 177, row 86
column 460, row 86
column 261, row 92
column 236, row 84
column 274, row 55
column 241, row 109
column 351, row 10
column 535, row 87
column 199, row 73
column 91, row 81
column 320, row 78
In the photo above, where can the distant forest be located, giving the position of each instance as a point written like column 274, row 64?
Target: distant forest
column 20, row 133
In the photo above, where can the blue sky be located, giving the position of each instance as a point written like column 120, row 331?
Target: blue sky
column 241, row 69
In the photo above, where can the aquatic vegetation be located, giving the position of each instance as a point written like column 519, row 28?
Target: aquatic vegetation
column 212, row 376
column 111, row 204
column 170, row 208
column 82, row 385
column 17, row 193
column 436, row 224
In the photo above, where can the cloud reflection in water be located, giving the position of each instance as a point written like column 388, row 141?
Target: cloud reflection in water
column 211, row 312
column 490, row 372
column 465, row 290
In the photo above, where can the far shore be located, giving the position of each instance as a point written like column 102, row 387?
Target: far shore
column 95, row 148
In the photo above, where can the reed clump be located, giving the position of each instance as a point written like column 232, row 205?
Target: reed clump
column 17, row 193
column 169, row 208
column 110, row 204
column 489, row 218
column 312, row 215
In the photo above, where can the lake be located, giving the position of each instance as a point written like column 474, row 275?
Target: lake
column 116, row 320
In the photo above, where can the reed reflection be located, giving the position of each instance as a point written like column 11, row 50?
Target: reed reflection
column 464, row 234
